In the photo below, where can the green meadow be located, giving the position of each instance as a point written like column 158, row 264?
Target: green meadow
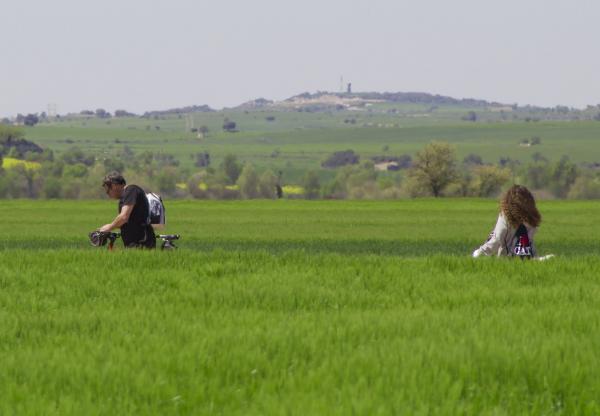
column 298, row 307
column 297, row 142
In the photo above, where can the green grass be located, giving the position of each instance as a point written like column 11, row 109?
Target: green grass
column 293, row 307
column 406, row 228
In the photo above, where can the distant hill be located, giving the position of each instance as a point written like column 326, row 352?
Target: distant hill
column 325, row 101
column 180, row 110
column 395, row 97
column 328, row 101
column 255, row 104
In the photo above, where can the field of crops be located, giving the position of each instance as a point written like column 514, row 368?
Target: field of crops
column 298, row 307
column 296, row 142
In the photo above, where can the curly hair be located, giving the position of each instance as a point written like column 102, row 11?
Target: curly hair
column 518, row 206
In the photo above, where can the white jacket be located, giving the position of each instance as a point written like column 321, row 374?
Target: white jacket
column 501, row 240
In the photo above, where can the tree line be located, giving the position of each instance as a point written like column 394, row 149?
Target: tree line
column 32, row 172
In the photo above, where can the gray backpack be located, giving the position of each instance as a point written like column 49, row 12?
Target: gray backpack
column 156, row 215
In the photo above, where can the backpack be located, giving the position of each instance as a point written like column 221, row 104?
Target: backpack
column 522, row 247
column 156, row 208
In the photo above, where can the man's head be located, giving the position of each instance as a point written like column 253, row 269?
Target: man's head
column 113, row 185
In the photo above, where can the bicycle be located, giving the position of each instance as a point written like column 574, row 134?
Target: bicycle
column 102, row 238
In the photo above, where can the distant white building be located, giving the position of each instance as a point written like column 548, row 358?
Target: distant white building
column 384, row 166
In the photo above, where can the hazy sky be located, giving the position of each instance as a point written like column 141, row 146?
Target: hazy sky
column 143, row 55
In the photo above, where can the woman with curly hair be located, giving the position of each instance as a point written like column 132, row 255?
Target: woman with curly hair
column 517, row 224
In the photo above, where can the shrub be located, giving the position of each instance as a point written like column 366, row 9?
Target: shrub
column 71, row 188
column 311, row 185
column 248, row 182
column 166, row 180
column 197, row 186
column 585, row 187
column 77, row 170
column 52, row 188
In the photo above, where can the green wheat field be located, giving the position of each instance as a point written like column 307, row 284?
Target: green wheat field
column 299, row 308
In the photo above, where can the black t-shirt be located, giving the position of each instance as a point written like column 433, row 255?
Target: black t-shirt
column 136, row 230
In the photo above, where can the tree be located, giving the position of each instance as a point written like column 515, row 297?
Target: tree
column 102, row 113
column 127, row 155
column 562, row 175
column 203, row 130
column 232, row 168
column 14, row 183
column 29, row 176
column 538, row 157
column 510, row 164
column 278, row 185
column 113, row 164
column 537, row 174
column 489, row 180
column 75, row 155
column 3, row 186
column 473, row 159
column 353, row 181
column 434, row 168
column 77, row 170
column 166, row 180
column 12, row 142
column 55, row 169
column 31, row 120
column 47, row 155
column 267, row 185
column 123, row 113
column 202, row 160
column 13, row 153
column 248, row 182
column 165, row 159
column 229, row 126
column 470, row 116
column 52, row 187
column 337, row 159
column 311, row 185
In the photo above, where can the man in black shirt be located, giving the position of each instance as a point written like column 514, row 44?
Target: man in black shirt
column 132, row 216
